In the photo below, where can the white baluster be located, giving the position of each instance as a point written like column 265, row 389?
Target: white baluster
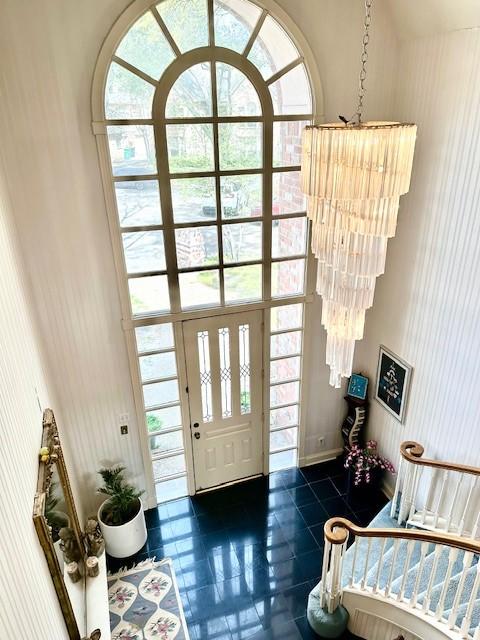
column 335, row 578
column 423, row 553
column 380, row 565
column 476, row 527
column 454, row 501
column 393, row 508
column 471, row 603
column 354, row 562
column 440, row 498
column 466, row 509
column 452, row 557
column 410, row 547
column 467, row 562
column 430, row 493
column 406, row 489
column 476, row 635
column 325, row 572
column 388, row 586
column 428, row 595
column 417, row 474
column 367, row 558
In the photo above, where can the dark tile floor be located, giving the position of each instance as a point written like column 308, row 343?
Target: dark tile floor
column 247, row 556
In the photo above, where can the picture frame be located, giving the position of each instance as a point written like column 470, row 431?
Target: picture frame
column 392, row 383
column 357, row 386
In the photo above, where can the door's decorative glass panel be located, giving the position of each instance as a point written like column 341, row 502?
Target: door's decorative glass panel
column 149, row 294
column 138, row 203
column 289, row 316
column 286, row 393
column 190, row 147
column 199, row 288
column 163, row 419
column 236, row 95
column 234, row 22
column 166, row 467
column 291, row 93
column 272, row 49
column 288, row 278
column 242, row 242
column 225, row 371
column 205, row 375
column 240, row 145
column 160, row 393
column 283, row 460
column 187, row 21
column 145, row 47
column 193, row 199
column 286, row 344
column 287, row 194
column 171, row 489
column 284, row 417
column 243, row 283
column 167, row 442
column 289, row 237
column 285, row 369
column 191, row 95
column 157, row 366
column 144, row 251
column 287, row 142
column 241, row 196
column 284, row 439
column 196, row 246
column 244, row 355
column 154, row 338
column 132, row 149
column 126, row 95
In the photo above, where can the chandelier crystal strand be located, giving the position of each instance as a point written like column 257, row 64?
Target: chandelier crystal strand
column 353, row 176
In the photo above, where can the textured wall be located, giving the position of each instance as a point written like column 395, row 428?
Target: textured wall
column 427, row 305
column 28, row 603
column 48, row 50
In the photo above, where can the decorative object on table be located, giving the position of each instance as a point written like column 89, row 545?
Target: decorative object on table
column 145, row 603
column 357, row 386
column 355, row 421
column 54, row 496
column 353, row 174
column 92, row 566
column 68, row 545
column 121, row 516
column 93, row 537
column 393, row 382
column 73, row 572
column 366, row 465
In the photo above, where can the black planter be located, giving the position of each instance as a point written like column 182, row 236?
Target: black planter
column 360, row 493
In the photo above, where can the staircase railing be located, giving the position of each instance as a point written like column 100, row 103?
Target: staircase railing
column 436, row 495
column 420, row 580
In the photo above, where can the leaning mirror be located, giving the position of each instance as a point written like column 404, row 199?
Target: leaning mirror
column 58, row 528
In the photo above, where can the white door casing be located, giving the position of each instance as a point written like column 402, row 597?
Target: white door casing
column 224, row 372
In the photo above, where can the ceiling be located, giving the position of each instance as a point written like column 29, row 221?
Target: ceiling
column 416, row 18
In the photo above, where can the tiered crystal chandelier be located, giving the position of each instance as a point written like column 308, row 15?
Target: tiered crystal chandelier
column 353, row 175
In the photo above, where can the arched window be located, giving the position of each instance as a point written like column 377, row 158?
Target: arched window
column 199, row 108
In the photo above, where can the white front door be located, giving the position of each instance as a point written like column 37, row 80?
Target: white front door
column 224, row 371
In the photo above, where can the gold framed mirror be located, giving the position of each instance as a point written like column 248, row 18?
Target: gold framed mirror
column 58, row 528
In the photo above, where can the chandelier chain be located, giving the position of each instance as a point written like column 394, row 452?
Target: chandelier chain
column 363, row 59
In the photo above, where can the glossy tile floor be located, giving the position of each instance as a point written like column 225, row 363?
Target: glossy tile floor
column 247, row 556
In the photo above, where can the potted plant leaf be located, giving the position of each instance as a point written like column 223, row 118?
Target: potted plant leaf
column 121, row 516
column 365, row 467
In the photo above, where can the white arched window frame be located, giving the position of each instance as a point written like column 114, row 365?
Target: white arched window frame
column 170, row 319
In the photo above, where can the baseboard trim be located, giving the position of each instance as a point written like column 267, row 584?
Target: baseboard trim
column 323, row 456
column 387, row 490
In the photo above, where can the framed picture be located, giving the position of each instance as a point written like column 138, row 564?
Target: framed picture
column 393, row 381
column 357, row 387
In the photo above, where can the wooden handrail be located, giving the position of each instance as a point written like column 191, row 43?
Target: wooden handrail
column 413, row 452
column 336, row 532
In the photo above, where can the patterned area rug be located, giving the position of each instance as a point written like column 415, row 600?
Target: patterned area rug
column 145, row 603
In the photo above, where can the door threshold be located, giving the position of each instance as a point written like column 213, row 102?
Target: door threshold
column 228, row 484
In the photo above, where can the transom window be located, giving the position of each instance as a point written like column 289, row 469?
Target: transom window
column 204, row 105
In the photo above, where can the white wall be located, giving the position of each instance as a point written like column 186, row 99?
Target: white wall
column 28, row 603
column 48, row 50
column 427, row 305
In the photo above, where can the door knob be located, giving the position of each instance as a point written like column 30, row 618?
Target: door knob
column 195, row 425
column 197, row 435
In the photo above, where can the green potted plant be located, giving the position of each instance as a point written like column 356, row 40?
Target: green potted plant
column 121, row 516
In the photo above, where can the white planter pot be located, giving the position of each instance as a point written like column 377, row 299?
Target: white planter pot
column 126, row 539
